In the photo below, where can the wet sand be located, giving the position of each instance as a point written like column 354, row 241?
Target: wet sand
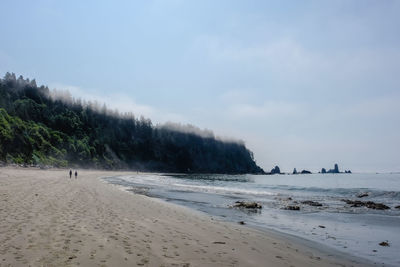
column 48, row 219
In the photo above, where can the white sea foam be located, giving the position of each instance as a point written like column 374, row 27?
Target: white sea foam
column 355, row 230
column 223, row 190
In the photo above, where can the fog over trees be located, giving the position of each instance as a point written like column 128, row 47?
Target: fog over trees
column 43, row 127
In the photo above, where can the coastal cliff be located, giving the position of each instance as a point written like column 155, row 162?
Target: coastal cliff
column 38, row 127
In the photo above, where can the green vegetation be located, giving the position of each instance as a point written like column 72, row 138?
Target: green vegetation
column 40, row 129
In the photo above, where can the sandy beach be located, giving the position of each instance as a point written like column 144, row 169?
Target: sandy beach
column 48, row 219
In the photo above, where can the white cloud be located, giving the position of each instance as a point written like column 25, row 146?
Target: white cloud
column 237, row 96
column 292, row 65
column 281, row 55
column 269, row 109
column 376, row 108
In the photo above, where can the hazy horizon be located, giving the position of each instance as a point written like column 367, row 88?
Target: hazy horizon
column 305, row 84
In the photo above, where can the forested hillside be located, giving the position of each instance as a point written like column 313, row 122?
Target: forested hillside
column 40, row 129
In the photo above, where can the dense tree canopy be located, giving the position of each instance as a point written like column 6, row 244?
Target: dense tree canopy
column 42, row 128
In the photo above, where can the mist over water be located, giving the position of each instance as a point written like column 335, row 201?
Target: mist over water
column 354, row 230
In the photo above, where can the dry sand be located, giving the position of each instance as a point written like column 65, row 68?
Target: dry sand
column 47, row 219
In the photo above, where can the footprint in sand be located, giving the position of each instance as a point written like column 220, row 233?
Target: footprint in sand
column 143, row 262
column 92, row 254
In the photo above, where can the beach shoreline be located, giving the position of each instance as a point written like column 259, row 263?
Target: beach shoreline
column 49, row 219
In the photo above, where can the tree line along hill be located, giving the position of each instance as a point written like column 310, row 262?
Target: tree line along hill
column 41, row 129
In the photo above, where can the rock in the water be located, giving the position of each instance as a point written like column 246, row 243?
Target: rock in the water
column 242, row 223
column 377, row 206
column 384, row 244
column 311, row 203
column 368, row 204
column 305, row 172
column 291, row 208
column 334, row 170
column 294, row 171
column 397, row 207
column 247, row 205
column 276, row 170
column 365, row 194
column 321, row 226
column 323, row 170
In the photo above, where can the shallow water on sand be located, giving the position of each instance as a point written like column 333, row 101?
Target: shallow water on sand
column 354, row 230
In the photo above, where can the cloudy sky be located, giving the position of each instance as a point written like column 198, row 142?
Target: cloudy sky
column 305, row 84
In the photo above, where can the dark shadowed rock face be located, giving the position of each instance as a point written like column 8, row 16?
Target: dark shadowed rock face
column 294, row 171
column 336, row 169
column 384, row 244
column 323, row 170
column 291, row 207
column 368, row 204
column 311, row 203
column 276, row 170
column 305, row 172
column 364, row 194
column 247, row 205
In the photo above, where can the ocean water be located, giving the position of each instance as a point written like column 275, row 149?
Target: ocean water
column 353, row 230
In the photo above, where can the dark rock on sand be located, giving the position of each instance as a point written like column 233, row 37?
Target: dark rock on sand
column 368, row 204
column 247, row 205
column 365, row 194
column 384, row 244
column 242, row 222
column 291, row 208
column 311, row 203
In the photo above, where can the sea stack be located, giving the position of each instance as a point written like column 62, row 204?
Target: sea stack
column 276, row 170
column 336, row 169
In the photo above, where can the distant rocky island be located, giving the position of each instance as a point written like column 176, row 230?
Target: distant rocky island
column 334, row 170
column 276, row 170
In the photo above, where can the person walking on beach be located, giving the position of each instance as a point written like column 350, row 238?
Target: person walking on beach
column 70, row 174
column 76, row 174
